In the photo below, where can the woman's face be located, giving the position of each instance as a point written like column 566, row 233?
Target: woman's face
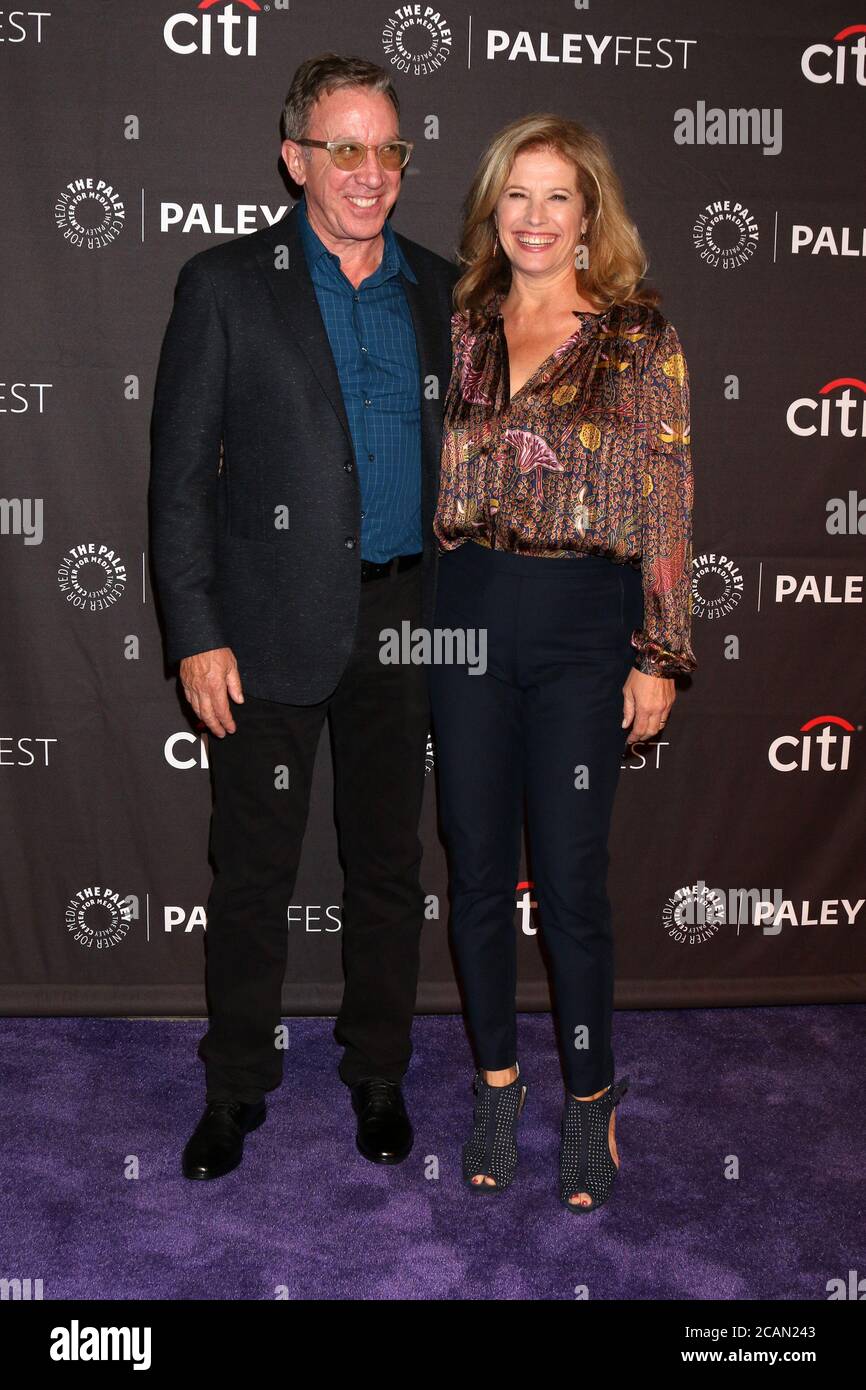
column 540, row 214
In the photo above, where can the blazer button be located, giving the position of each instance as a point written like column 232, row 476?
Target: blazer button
column 350, row 542
column 348, row 465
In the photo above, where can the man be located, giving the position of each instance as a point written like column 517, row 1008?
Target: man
column 294, row 479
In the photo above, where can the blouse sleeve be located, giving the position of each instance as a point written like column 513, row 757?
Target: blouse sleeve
column 664, row 642
column 458, row 330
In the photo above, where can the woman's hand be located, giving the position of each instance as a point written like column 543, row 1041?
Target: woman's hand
column 647, row 702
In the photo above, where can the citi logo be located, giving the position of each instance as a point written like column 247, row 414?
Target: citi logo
column 185, row 750
column 525, row 905
column 823, row 744
column 844, row 414
column 229, row 31
column 822, row 63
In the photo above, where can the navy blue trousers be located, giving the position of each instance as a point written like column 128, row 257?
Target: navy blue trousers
column 540, row 728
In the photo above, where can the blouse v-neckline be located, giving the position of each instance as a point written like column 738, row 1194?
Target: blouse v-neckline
column 557, row 351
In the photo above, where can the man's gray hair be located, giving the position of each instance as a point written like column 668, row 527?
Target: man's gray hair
column 325, row 74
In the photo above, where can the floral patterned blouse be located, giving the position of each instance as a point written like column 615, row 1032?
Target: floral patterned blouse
column 592, row 455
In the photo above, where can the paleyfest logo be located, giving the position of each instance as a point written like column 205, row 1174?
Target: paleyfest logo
column 725, row 234
column 417, row 39
column 90, row 213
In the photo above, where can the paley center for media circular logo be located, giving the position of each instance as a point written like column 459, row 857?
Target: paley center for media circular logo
column 90, row 213
column 693, row 914
column 91, row 576
column 725, row 234
column 98, row 918
column 717, row 586
column 417, row 39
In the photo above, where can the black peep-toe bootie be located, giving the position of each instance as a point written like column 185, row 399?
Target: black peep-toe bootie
column 492, row 1150
column 585, row 1160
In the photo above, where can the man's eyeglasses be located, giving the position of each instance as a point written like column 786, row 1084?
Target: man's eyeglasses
column 350, row 154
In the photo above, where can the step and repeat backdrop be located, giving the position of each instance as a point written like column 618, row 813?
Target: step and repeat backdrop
column 138, row 134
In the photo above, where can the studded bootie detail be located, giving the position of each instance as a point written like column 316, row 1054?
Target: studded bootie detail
column 492, row 1150
column 585, row 1161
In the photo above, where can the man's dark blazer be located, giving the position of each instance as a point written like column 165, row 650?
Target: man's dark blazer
column 248, row 417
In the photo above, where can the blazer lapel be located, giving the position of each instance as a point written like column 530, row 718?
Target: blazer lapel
column 293, row 290
column 428, row 338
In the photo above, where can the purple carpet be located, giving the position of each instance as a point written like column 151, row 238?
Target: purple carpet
column 776, row 1090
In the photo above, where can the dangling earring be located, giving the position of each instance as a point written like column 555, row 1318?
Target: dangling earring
column 495, row 245
column 580, row 251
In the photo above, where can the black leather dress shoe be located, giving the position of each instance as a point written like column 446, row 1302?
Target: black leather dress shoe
column 217, row 1143
column 384, row 1132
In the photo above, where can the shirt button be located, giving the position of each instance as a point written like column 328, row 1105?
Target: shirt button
column 371, row 457
column 363, row 514
column 368, row 402
column 356, row 298
column 363, row 349
column 349, row 542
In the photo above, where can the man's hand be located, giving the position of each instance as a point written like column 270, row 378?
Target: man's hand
column 647, row 701
column 208, row 678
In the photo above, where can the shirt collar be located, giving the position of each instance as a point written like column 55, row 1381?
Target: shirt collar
column 393, row 257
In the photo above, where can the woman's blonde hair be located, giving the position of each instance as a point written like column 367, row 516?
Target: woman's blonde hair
column 616, row 260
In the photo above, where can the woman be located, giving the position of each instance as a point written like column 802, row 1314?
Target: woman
column 564, row 525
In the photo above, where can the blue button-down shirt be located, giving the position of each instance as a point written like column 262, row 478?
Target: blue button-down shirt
column 373, row 342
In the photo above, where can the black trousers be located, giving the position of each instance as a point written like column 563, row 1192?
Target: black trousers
column 379, row 722
column 540, row 727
